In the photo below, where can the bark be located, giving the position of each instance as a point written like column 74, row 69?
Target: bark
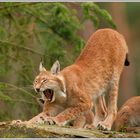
column 18, row 129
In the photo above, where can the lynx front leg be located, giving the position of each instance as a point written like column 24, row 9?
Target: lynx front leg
column 49, row 109
column 76, row 106
column 69, row 114
column 112, row 108
column 100, row 110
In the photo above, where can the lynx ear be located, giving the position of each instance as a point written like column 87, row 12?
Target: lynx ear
column 41, row 68
column 55, row 68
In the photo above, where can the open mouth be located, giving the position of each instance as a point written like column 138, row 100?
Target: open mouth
column 48, row 94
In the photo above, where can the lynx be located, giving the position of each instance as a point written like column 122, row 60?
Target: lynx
column 128, row 117
column 94, row 74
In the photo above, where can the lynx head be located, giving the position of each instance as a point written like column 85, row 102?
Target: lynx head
column 49, row 83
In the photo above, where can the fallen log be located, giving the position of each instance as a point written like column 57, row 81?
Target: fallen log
column 19, row 129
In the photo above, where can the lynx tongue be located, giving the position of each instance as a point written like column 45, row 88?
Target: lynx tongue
column 48, row 94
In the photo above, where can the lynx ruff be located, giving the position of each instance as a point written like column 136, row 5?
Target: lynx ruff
column 82, row 85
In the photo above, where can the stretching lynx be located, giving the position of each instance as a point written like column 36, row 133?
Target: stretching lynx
column 83, row 84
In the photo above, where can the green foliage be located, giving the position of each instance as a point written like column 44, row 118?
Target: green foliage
column 31, row 31
column 5, row 97
column 93, row 12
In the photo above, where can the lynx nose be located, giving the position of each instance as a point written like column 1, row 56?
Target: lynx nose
column 37, row 89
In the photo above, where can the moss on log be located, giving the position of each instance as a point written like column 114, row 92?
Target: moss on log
column 18, row 129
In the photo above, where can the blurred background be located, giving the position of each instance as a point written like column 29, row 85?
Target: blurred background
column 57, row 31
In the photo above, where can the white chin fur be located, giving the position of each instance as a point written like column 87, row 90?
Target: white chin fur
column 43, row 96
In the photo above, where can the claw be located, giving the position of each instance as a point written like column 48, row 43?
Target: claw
column 99, row 127
column 42, row 118
column 49, row 121
column 102, row 127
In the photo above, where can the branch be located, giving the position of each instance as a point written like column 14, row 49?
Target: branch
column 21, row 89
column 21, row 47
column 19, row 100
column 17, row 5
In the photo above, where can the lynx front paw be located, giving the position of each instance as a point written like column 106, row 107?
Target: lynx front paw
column 53, row 120
column 103, row 126
column 39, row 119
column 50, row 120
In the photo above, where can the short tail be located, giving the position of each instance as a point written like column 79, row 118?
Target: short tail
column 126, row 63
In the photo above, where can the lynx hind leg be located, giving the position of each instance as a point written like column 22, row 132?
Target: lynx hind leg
column 100, row 110
column 84, row 120
column 79, row 122
column 89, row 120
column 112, row 107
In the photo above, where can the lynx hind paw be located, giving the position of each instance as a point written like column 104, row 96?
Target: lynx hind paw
column 89, row 126
column 103, row 126
column 58, row 122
